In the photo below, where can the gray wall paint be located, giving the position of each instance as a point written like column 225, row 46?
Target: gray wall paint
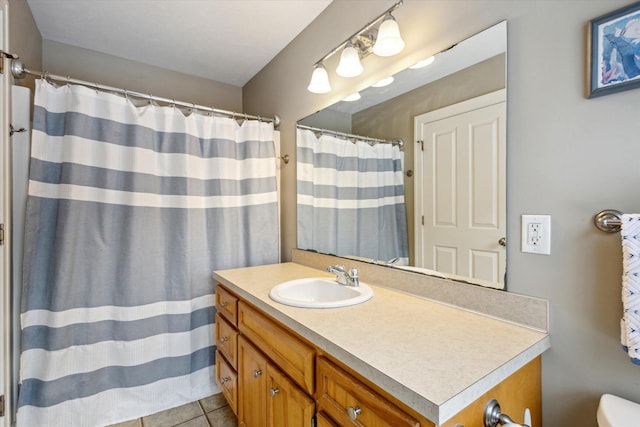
column 568, row 157
column 97, row 67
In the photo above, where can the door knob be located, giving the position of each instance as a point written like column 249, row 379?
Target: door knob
column 257, row 373
column 502, row 241
column 274, row 391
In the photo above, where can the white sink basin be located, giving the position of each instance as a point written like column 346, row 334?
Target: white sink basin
column 319, row 292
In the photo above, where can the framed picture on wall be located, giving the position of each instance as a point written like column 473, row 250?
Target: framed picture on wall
column 614, row 51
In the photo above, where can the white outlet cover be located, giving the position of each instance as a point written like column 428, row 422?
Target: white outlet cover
column 545, row 234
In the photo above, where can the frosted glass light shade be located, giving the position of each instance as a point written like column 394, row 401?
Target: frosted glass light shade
column 425, row 62
column 384, row 82
column 389, row 41
column 349, row 65
column 319, row 80
column 353, row 97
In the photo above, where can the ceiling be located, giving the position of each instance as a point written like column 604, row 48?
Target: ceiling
column 228, row 41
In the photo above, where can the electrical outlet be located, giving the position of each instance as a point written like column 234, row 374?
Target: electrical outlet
column 536, row 234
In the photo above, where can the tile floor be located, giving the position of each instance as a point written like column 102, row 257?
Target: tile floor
column 212, row 411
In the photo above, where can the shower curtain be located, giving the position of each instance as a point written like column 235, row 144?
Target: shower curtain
column 129, row 211
column 351, row 198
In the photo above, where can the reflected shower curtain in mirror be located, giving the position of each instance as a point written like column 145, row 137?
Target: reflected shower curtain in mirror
column 129, row 211
column 351, row 198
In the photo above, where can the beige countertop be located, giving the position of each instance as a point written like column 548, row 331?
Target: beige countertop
column 434, row 357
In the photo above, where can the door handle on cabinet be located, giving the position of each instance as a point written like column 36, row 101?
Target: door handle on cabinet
column 257, row 373
column 274, row 391
column 354, row 412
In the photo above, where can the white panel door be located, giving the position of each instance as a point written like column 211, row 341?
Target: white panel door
column 462, row 189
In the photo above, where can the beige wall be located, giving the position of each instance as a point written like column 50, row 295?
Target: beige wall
column 568, row 157
column 393, row 119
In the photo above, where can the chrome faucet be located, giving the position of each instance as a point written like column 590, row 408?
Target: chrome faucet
column 343, row 277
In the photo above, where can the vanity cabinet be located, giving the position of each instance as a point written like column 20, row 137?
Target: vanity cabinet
column 267, row 396
column 265, row 372
column 226, row 343
column 271, row 376
column 350, row 402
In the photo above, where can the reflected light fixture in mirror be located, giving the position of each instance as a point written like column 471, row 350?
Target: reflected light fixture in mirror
column 352, row 97
column 384, row 82
column 424, row 63
column 383, row 41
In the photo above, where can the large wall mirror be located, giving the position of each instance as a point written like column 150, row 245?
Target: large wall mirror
column 434, row 204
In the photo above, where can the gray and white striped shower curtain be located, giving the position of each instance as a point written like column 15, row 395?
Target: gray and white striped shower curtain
column 129, row 211
column 351, row 198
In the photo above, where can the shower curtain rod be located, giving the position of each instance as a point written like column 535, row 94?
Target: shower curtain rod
column 398, row 142
column 19, row 71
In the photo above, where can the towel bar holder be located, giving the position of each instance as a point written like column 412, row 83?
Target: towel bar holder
column 608, row 220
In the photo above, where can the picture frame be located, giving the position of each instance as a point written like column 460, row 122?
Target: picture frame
column 614, row 51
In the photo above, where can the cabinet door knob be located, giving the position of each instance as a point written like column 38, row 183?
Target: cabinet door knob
column 274, row 391
column 354, row 412
column 224, row 339
column 223, row 304
column 224, row 380
column 257, row 373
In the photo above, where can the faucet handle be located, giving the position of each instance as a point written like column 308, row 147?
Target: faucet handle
column 334, row 268
column 353, row 273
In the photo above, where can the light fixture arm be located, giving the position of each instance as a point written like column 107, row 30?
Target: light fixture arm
column 359, row 32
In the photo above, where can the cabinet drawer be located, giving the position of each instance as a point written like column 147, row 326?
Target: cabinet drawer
column 227, row 305
column 324, row 421
column 350, row 402
column 228, row 381
column 294, row 357
column 227, row 340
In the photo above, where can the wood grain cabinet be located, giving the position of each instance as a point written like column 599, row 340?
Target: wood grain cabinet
column 267, row 397
column 350, row 402
column 272, row 377
column 226, row 344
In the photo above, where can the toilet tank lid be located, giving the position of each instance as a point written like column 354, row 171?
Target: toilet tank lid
column 614, row 411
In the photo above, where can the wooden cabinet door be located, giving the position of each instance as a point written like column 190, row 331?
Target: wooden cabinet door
column 352, row 403
column 287, row 404
column 252, row 374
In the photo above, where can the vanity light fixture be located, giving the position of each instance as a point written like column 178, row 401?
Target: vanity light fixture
column 384, row 40
column 425, row 62
column 319, row 80
column 349, row 65
column 389, row 41
column 384, row 82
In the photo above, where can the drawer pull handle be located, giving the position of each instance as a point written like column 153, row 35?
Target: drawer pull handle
column 225, row 380
column 257, row 373
column 223, row 304
column 354, row 412
column 224, row 339
column 274, row 391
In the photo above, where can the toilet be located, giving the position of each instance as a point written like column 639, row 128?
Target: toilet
column 614, row 411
